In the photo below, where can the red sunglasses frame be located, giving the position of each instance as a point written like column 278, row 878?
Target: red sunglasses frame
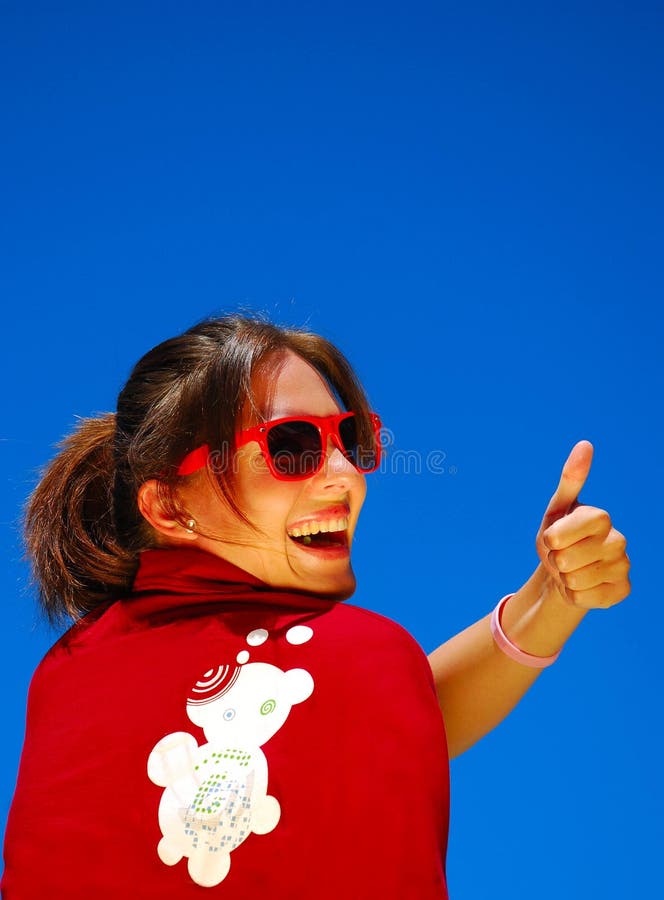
column 327, row 426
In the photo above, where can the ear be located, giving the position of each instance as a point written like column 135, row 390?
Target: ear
column 151, row 507
column 299, row 685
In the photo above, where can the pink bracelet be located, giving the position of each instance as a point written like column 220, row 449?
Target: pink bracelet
column 510, row 649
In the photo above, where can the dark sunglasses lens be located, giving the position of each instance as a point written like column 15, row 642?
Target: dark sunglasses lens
column 362, row 457
column 295, row 448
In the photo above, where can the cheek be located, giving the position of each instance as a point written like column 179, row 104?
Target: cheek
column 359, row 493
column 267, row 502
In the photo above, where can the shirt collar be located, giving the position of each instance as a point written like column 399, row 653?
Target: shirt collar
column 182, row 577
column 177, row 570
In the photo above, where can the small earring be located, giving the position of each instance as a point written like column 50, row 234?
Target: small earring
column 191, row 526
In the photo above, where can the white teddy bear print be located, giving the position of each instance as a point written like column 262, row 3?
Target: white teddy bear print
column 216, row 794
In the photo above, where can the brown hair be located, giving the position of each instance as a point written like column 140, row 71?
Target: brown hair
column 83, row 528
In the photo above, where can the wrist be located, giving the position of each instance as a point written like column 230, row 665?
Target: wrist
column 537, row 618
column 509, row 648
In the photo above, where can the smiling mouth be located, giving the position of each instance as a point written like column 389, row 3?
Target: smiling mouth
column 321, row 535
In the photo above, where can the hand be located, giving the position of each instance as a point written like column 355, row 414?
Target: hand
column 580, row 549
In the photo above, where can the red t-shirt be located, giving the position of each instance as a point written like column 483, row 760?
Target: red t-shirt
column 210, row 736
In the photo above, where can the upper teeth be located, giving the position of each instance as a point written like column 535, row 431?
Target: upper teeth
column 322, row 527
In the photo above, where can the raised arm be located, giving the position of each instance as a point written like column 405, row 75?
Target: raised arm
column 583, row 565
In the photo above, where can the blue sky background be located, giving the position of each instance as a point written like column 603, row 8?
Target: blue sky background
column 468, row 198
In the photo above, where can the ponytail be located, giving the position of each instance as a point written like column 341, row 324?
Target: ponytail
column 70, row 533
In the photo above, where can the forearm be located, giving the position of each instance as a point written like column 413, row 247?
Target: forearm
column 477, row 684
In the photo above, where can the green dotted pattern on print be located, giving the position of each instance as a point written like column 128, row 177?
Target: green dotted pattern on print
column 220, row 813
column 239, row 757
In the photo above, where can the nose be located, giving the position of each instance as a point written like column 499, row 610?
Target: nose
column 338, row 471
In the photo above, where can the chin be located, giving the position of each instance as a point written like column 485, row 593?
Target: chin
column 340, row 588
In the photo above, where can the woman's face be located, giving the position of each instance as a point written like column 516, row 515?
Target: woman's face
column 329, row 501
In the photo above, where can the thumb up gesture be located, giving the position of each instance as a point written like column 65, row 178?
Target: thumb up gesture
column 578, row 545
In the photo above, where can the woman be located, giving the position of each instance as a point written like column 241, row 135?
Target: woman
column 217, row 717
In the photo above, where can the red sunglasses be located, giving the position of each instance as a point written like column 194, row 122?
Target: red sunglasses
column 294, row 447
